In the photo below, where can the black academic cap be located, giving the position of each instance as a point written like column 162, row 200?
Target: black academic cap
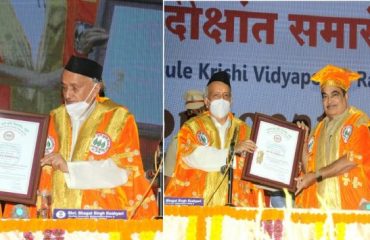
column 221, row 76
column 84, row 66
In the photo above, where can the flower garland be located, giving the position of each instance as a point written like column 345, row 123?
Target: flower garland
column 191, row 232
column 274, row 228
column 216, row 227
column 147, row 235
column 319, row 230
column 271, row 224
column 40, row 229
column 341, row 231
column 114, row 236
column 55, row 234
column 49, row 235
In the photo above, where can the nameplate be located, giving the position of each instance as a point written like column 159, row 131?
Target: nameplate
column 184, row 201
column 89, row 213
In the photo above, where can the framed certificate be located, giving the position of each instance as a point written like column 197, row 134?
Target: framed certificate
column 22, row 145
column 279, row 148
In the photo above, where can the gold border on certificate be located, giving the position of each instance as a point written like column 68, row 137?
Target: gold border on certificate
column 22, row 144
column 279, row 147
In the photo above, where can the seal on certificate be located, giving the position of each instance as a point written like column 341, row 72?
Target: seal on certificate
column 260, row 157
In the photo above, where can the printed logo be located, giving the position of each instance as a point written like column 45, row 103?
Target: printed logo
column 8, row 135
column 202, row 138
column 346, row 133
column 60, row 214
column 50, row 145
column 277, row 138
column 310, row 144
column 100, row 144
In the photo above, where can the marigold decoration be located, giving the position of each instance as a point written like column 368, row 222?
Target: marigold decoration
column 341, row 231
column 191, row 232
column 114, row 236
column 216, row 227
column 147, row 235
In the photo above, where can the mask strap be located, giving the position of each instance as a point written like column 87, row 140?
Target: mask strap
column 90, row 93
column 91, row 103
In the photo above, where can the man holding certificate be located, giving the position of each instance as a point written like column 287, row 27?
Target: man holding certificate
column 337, row 155
column 92, row 157
column 204, row 144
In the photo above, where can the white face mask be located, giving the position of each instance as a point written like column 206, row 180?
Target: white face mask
column 76, row 110
column 220, row 108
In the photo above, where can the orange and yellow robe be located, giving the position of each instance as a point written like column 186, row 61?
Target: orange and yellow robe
column 346, row 135
column 109, row 132
column 190, row 182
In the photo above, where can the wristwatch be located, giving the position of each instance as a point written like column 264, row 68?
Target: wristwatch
column 318, row 176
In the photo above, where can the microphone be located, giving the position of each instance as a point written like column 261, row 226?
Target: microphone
column 232, row 145
column 149, row 174
column 231, row 153
column 158, row 155
column 230, row 169
column 159, row 170
column 227, row 169
column 223, row 169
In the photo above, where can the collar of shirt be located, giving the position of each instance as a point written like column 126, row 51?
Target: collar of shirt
column 77, row 123
column 222, row 128
column 331, row 125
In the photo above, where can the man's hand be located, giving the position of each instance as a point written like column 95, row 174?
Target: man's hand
column 245, row 146
column 303, row 126
column 56, row 161
column 304, row 159
column 305, row 181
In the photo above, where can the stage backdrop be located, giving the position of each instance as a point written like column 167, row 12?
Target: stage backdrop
column 270, row 50
column 133, row 66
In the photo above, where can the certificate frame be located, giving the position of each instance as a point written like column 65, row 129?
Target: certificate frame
column 39, row 147
column 249, row 171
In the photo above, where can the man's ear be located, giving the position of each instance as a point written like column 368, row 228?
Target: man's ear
column 97, row 88
column 206, row 102
column 346, row 96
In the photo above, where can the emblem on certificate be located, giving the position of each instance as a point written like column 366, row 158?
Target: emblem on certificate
column 259, row 157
